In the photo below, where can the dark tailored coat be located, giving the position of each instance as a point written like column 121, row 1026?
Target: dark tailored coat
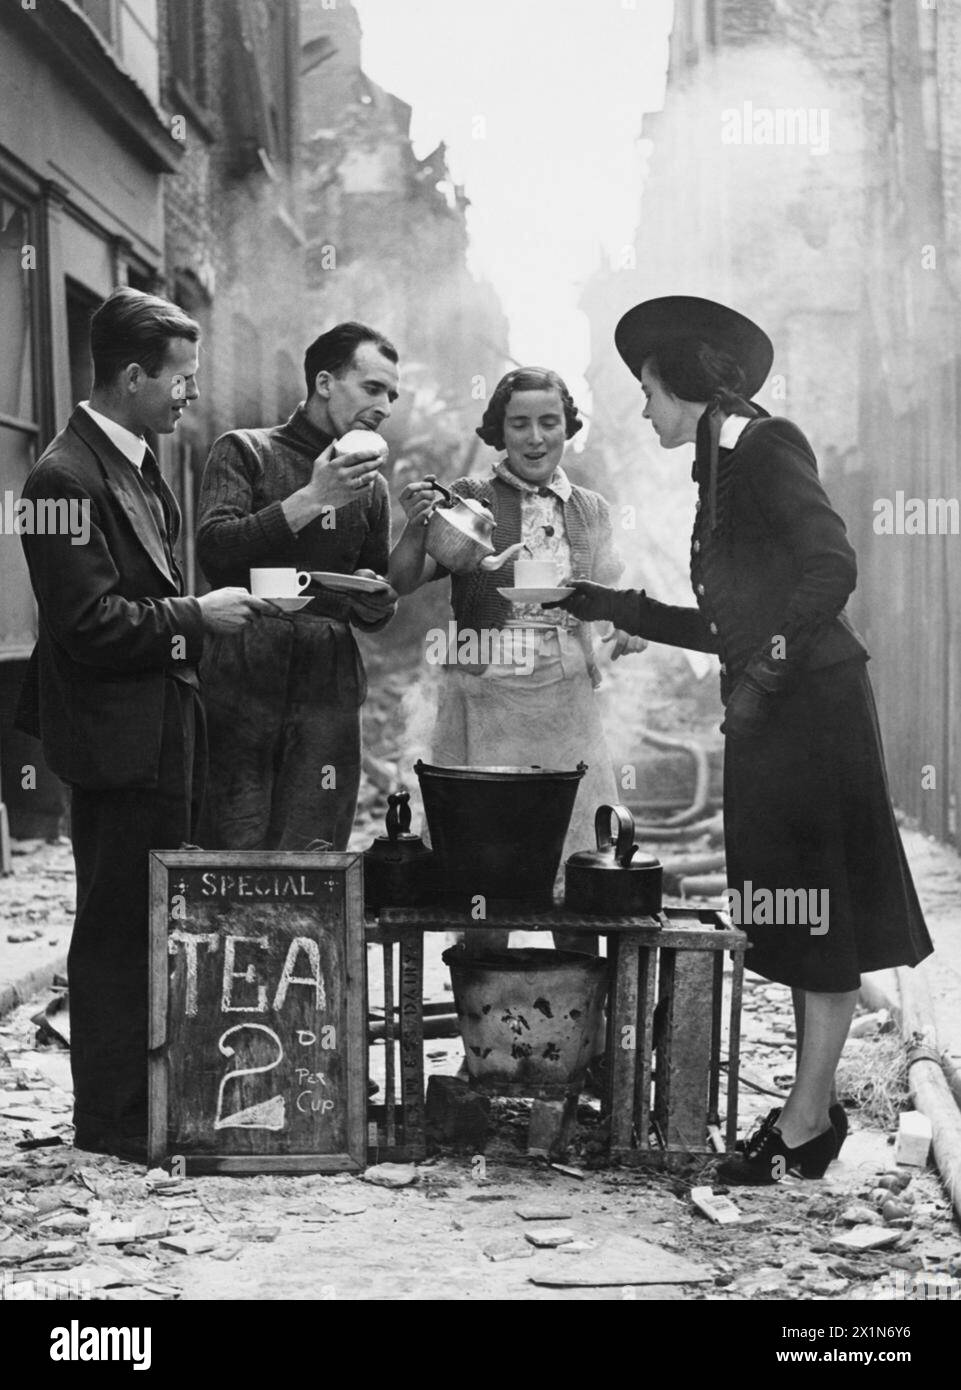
column 806, row 800
column 109, row 612
column 112, row 693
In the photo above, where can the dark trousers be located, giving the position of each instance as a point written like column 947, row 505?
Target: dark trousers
column 267, row 787
column 113, row 833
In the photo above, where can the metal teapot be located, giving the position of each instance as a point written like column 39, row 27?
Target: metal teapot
column 397, row 865
column 608, row 879
column 460, row 532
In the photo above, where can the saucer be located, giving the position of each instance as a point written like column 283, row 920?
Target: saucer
column 289, row 605
column 348, row 583
column 534, row 595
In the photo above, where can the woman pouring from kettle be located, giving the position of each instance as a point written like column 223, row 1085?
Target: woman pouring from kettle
column 806, row 802
column 532, row 700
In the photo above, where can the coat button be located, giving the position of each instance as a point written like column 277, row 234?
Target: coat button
column 713, row 629
column 723, row 669
column 700, row 589
column 697, row 547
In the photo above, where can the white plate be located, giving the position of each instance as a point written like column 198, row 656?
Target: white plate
column 534, row 595
column 348, row 583
column 289, row 605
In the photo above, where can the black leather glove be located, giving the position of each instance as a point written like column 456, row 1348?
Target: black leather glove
column 747, row 709
column 752, row 700
column 590, row 603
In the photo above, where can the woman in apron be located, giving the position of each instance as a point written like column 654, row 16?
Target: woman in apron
column 534, row 702
column 816, row 871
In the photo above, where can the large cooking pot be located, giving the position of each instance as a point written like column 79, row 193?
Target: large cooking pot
column 498, row 832
column 608, row 880
column 460, row 534
column 397, row 865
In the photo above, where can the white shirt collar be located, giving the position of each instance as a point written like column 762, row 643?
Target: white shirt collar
column 558, row 483
column 732, row 427
column 132, row 446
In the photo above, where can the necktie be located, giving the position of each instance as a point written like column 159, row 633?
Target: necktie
column 150, row 473
column 153, row 487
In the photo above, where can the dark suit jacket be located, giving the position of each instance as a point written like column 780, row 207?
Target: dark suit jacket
column 110, row 614
column 778, row 564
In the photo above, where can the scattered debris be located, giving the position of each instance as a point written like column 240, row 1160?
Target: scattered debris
column 508, row 1248
column 539, row 1211
column 251, row 1231
column 913, row 1143
column 625, row 1261
column 549, row 1239
column 569, row 1172
column 189, row 1245
column 866, row 1238
column 391, row 1174
column 719, row 1209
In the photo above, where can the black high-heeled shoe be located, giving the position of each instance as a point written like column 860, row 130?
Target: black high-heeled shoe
column 839, row 1119
column 770, row 1159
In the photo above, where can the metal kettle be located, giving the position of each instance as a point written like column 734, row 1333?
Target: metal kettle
column 396, row 867
column 609, row 880
column 460, row 534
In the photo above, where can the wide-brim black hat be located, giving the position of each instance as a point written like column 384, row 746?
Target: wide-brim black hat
column 677, row 317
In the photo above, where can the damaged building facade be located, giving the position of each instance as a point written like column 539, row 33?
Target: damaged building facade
column 236, row 158
column 808, row 154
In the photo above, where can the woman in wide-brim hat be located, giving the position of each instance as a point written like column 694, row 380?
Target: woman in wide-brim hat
column 810, row 834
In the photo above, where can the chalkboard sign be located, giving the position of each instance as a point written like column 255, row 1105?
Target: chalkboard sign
column 257, row 1012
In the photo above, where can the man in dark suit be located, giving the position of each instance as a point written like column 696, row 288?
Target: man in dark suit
column 112, row 688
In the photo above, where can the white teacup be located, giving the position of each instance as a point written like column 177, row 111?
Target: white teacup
column 535, row 574
column 278, row 583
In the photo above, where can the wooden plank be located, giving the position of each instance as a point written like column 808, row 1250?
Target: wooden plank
column 662, row 1068
column 684, row 1056
column 159, row 916
column 646, row 998
column 412, row 1041
column 355, row 1006
column 734, row 1049
column 157, row 1016
column 717, row 1019
column 207, row 1164
column 623, row 1050
column 390, row 1100
column 688, row 934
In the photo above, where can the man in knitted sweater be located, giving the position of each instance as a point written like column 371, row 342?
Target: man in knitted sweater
column 283, row 698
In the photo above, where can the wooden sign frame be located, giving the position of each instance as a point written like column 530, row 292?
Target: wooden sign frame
column 295, row 882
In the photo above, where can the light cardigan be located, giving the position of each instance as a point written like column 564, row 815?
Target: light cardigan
column 587, row 521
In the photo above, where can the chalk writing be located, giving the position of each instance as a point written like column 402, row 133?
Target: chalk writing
column 267, row 1114
column 190, row 941
column 258, row 885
